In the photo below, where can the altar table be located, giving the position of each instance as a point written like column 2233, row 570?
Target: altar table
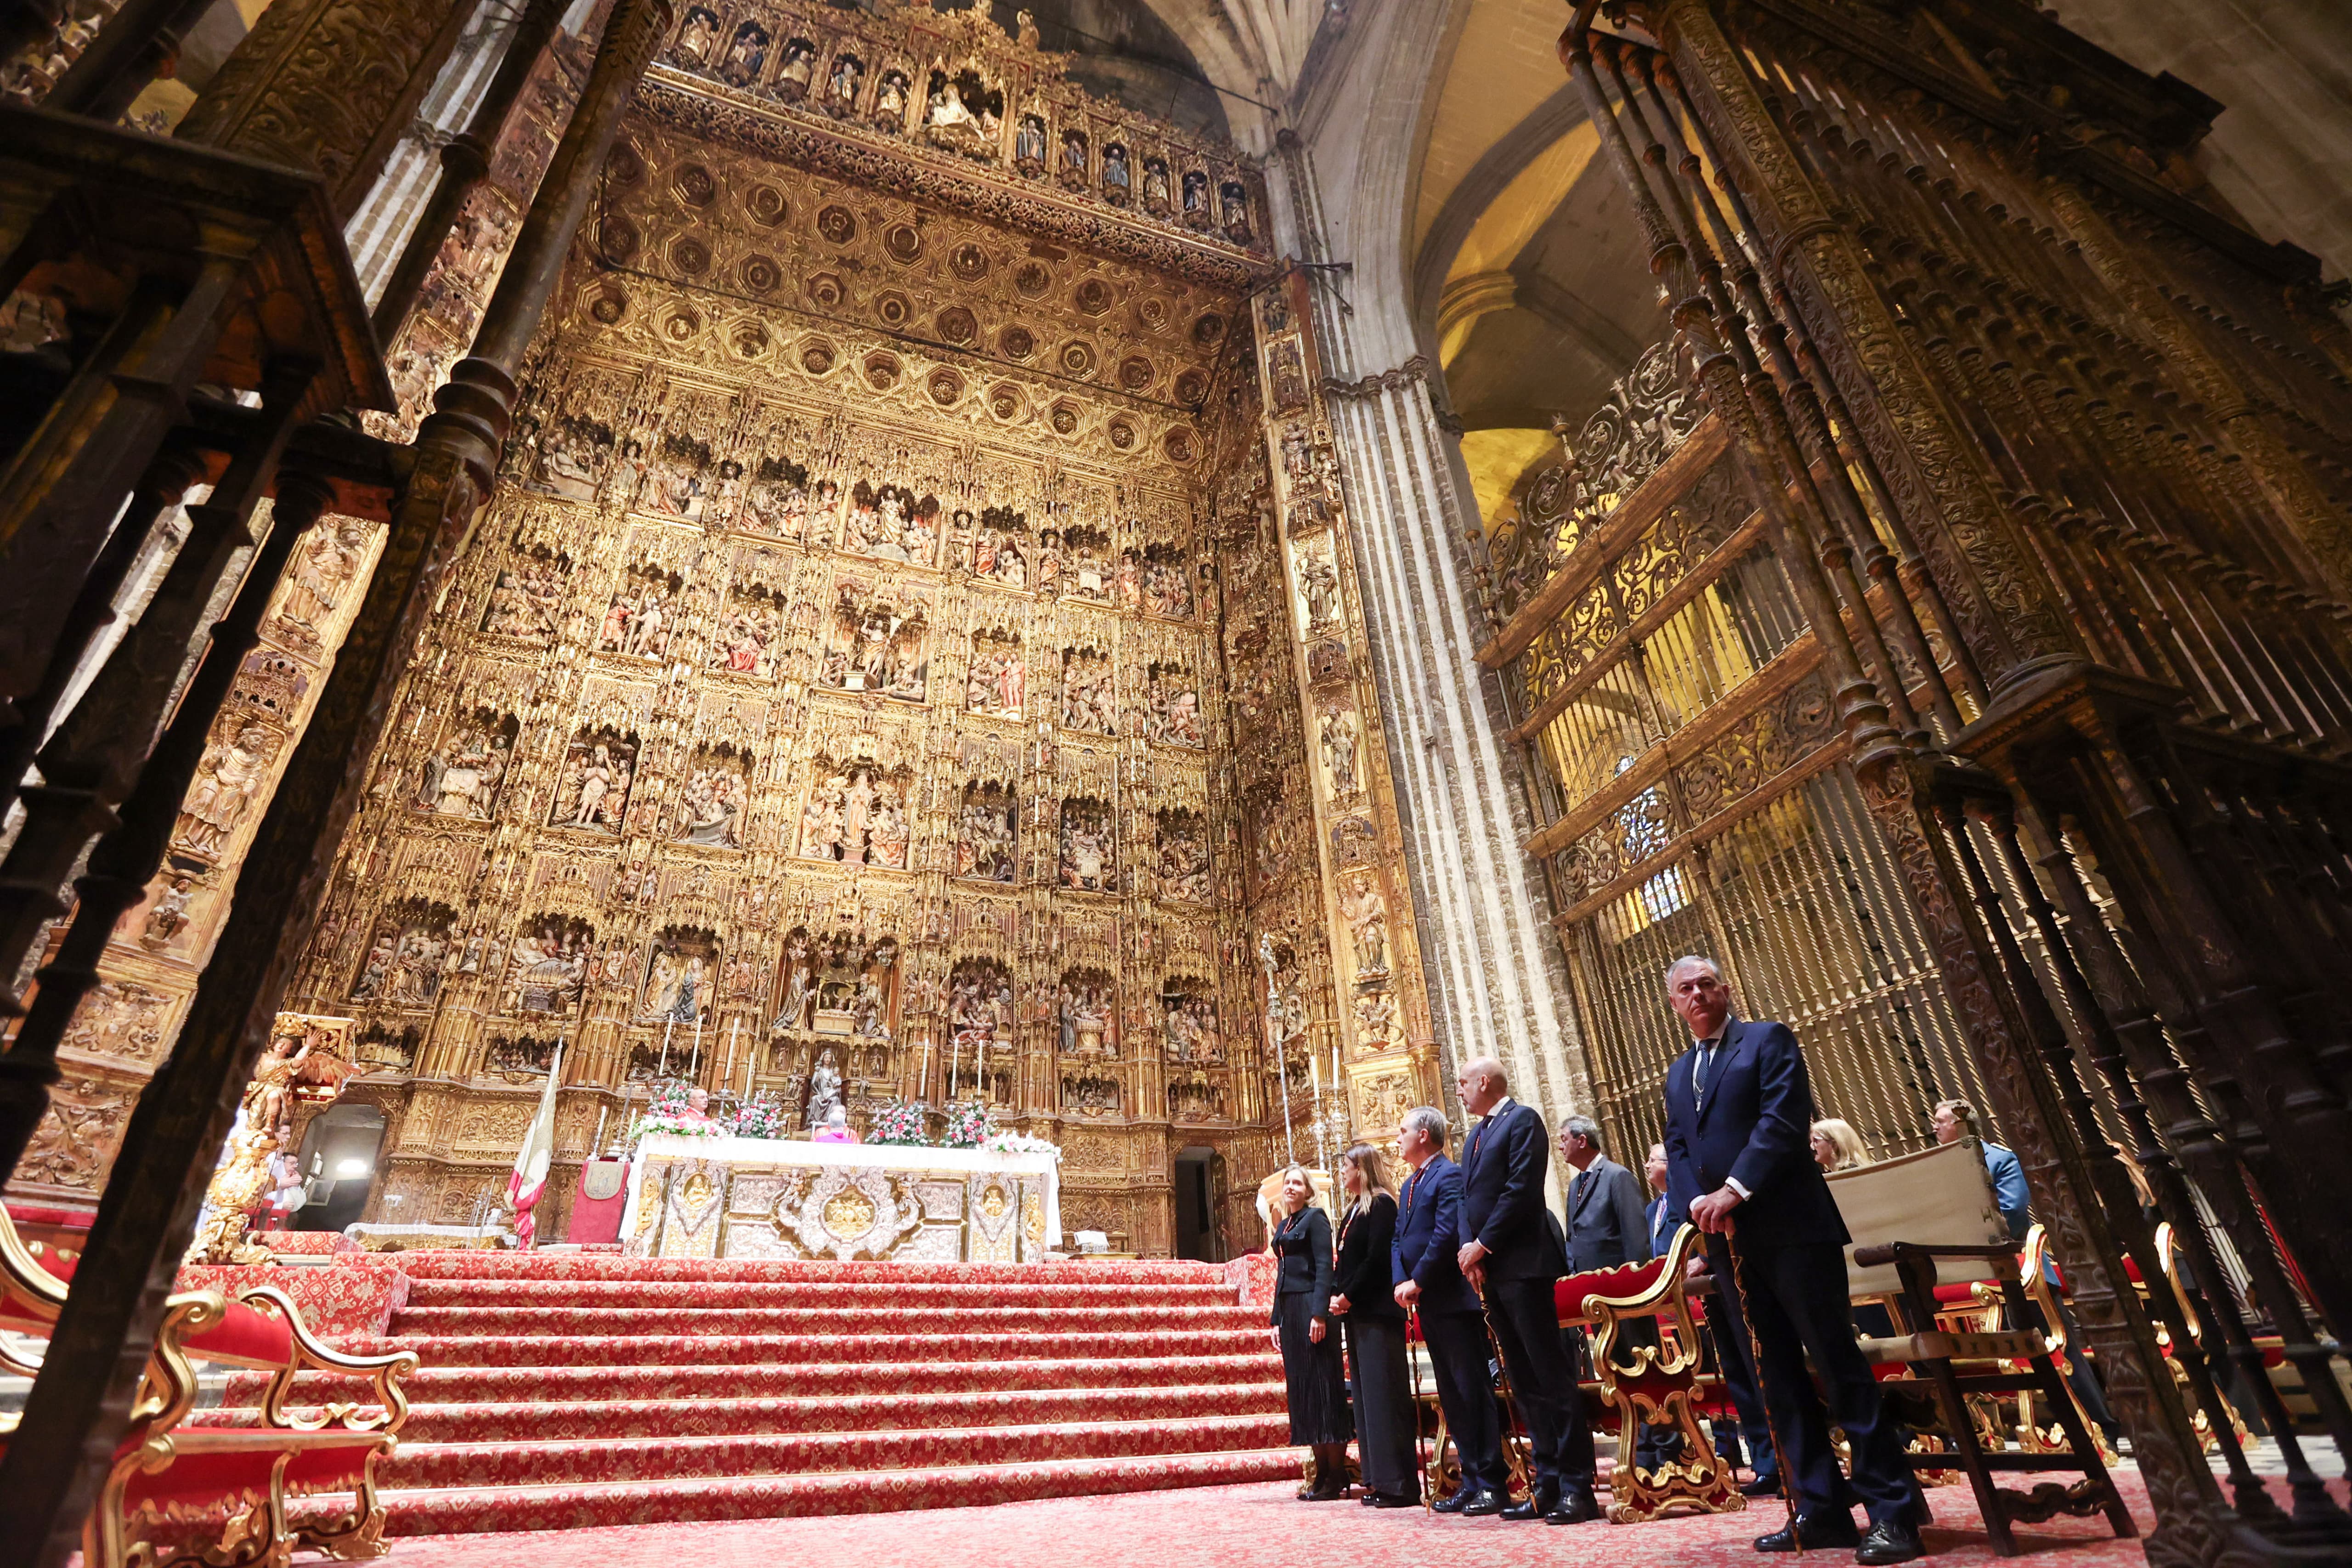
column 788, row 1198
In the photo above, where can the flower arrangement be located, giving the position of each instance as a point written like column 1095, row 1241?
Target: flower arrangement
column 900, row 1122
column 762, row 1116
column 969, row 1123
column 1019, row 1143
column 671, row 1113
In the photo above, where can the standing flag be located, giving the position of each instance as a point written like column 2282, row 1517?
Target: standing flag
column 538, row 1151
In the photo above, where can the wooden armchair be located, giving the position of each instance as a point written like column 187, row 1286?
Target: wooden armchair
column 188, row 1486
column 1662, row 1387
column 1926, row 1220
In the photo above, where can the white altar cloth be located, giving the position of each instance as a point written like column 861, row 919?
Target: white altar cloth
column 788, row 1197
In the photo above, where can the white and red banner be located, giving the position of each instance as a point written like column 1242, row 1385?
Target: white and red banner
column 531, row 1161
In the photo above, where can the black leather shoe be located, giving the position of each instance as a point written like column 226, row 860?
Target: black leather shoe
column 1816, row 1531
column 1575, row 1507
column 1393, row 1499
column 1888, row 1540
column 1537, row 1503
column 1485, row 1503
column 1762, row 1486
column 1463, row 1496
column 1369, row 1498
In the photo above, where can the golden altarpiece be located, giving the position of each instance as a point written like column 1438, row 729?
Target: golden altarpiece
column 913, row 635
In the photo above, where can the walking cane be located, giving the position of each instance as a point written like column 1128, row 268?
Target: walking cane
column 1437, row 1449
column 1755, row 1360
column 1524, row 1469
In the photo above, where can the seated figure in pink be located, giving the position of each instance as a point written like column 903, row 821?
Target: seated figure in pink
column 837, row 1130
column 697, row 1106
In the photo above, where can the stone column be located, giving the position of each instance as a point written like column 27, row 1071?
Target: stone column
column 1498, row 979
column 1496, row 972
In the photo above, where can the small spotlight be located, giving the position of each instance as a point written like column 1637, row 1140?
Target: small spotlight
column 352, row 1168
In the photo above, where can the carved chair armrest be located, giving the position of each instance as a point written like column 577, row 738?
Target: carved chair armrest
column 386, row 1373
column 32, row 1291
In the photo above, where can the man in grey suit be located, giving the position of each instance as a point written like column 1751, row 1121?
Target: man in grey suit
column 1606, row 1222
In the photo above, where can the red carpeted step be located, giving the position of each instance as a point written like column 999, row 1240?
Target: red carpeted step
column 562, row 1390
column 711, row 1317
column 815, row 1293
column 468, row 1510
column 761, row 1350
column 442, row 1465
column 450, row 1352
column 579, row 1420
column 1021, row 1276
column 445, row 1384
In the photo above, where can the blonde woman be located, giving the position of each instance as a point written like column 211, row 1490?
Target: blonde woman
column 1837, row 1146
column 1313, row 1380
column 1363, row 1297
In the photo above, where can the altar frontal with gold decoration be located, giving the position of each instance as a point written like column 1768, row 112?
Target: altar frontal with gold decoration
column 783, row 1198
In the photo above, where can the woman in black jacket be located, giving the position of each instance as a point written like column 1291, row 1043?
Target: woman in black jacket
column 1311, row 1371
column 1363, row 1297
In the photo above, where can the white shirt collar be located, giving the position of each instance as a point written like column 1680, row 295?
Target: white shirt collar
column 1497, row 1109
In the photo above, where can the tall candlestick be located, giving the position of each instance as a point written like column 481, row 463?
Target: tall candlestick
column 666, row 1026
column 1315, row 1073
column 596, row 1144
column 727, row 1073
column 749, row 1057
column 694, row 1067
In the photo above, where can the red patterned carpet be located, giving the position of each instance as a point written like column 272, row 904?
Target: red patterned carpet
column 566, row 1392
column 1256, row 1526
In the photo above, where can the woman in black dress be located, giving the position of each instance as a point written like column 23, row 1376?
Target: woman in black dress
column 1362, row 1285
column 1311, row 1371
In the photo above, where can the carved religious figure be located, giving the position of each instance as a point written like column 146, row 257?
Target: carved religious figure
column 984, row 838
column 228, row 776
column 1029, row 146
column 695, row 36
column 461, row 777
column 168, row 915
column 823, row 1092
column 1087, row 862
column 1367, row 914
column 1339, row 744
column 325, row 573
column 841, row 88
column 1183, row 858
column 711, row 807
column 523, row 602
column 1172, row 709
column 593, row 789
column 793, row 76
column 800, row 984
column 1319, row 590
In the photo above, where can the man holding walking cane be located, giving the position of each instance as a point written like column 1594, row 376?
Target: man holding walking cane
column 1740, row 1111
column 1512, row 1255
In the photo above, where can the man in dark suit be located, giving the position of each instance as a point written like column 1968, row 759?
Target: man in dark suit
column 1739, row 1113
column 1430, row 1285
column 1511, row 1253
